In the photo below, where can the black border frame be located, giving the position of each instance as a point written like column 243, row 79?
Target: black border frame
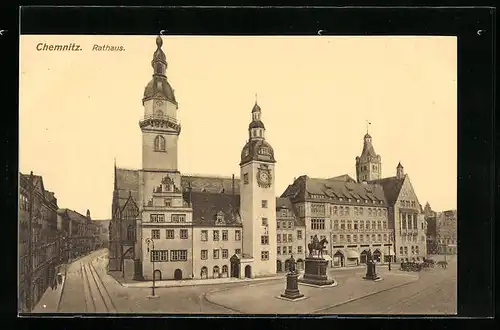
column 475, row 28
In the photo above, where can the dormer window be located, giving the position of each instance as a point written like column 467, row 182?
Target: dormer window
column 220, row 218
column 264, row 151
column 159, row 143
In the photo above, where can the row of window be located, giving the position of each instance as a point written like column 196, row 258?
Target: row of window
column 289, row 249
column 359, row 225
column 320, row 208
column 169, row 234
column 408, row 203
column 175, row 218
column 162, row 255
column 216, row 253
column 216, row 236
column 410, row 221
column 362, row 238
column 288, row 238
column 366, row 201
column 284, row 225
column 414, row 250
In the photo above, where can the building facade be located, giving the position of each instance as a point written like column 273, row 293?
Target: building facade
column 431, row 234
column 38, row 268
column 382, row 215
column 169, row 226
column 78, row 233
column 446, row 232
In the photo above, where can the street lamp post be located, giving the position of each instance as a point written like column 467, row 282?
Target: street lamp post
column 390, row 244
column 152, row 242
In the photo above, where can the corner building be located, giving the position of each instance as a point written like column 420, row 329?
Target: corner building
column 371, row 212
column 174, row 226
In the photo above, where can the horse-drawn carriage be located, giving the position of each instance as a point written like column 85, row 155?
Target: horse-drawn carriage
column 411, row 266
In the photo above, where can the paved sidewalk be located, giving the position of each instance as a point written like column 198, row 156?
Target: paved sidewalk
column 49, row 303
column 210, row 281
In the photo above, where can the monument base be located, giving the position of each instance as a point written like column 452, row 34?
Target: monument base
column 371, row 273
column 315, row 272
column 292, row 288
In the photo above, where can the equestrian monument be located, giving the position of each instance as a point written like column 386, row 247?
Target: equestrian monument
column 315, row 265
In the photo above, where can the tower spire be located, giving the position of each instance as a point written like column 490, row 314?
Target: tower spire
column 368, row 123
column 256, row 100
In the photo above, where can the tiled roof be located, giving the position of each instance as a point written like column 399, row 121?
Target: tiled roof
column 344, row 177
column 211, row 184
column 392, row 187
column 126, row 183
column 207, row 205
column 306, row 187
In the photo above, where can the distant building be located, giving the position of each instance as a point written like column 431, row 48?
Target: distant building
column 430, row 218
column 101, row 231
column 78, row 236
column 45, row 240
column 446, row 232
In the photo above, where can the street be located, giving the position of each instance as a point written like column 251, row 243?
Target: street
column 89, row 289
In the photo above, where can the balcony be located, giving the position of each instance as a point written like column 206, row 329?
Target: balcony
column 160, row 121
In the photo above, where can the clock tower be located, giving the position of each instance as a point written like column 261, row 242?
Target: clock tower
column 160, row 128
column 257, row 199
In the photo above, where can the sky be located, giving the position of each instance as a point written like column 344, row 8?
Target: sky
column 79, row 111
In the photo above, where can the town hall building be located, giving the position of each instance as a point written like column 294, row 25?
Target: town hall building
column 173, row 226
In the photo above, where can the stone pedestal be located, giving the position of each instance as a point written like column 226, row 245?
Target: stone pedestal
column 371, row 273
column 292, row 287
column 315, row 272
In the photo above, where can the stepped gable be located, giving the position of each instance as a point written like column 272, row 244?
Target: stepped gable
column 206, row 206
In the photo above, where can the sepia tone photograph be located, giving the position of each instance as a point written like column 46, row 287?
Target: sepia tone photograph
column 237, row 175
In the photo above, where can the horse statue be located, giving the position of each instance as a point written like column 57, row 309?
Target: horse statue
column 317, row 246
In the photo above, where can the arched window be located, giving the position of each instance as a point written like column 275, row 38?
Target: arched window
column 159, row 143
column 130, row 233
column 224, row 269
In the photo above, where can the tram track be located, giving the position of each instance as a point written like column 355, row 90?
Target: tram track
column 96, row 296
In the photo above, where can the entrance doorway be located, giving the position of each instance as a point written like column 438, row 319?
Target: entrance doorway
column 376, row 255
column 278, row 266
column 362, row 257
column 204, row 272
column 157, row 275
column 338, row 259
column 178, row 274
column 216, row 272
column 248, row 271
column 235, row 266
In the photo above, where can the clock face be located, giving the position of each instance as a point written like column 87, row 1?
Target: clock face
column 264, row 178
